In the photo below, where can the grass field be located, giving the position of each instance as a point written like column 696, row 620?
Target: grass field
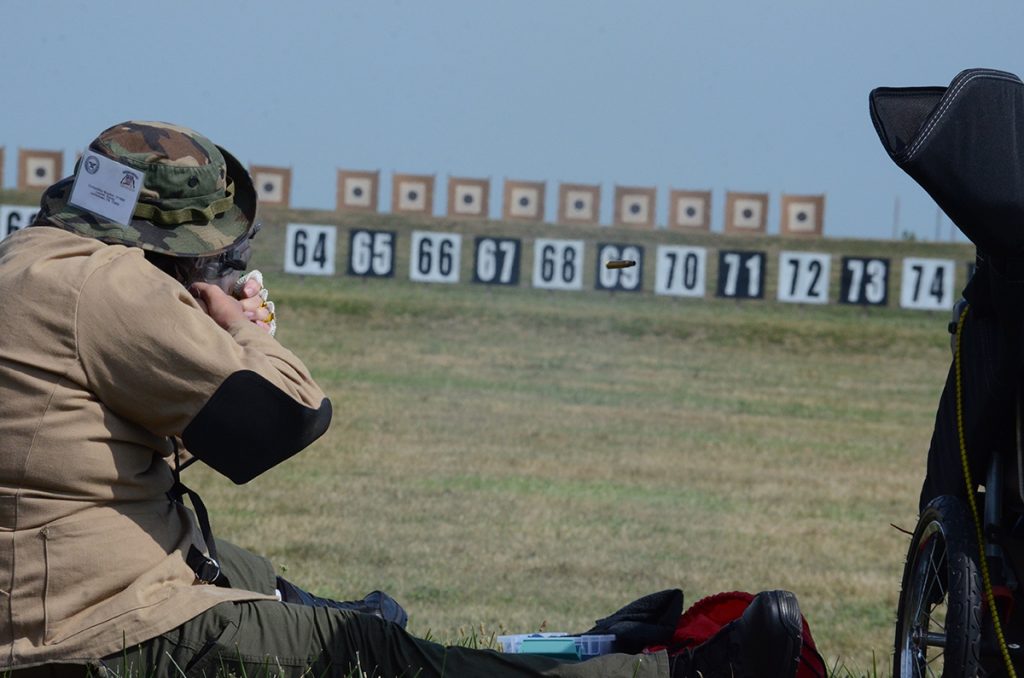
column 507, row 459
column 511, row 459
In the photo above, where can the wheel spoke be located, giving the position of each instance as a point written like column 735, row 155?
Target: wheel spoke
column 933, row 569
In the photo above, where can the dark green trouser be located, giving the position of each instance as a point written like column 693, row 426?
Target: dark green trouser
column 275, row 639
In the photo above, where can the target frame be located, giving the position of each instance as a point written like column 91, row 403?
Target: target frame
column 479, row 190
column 789, row 221
column 635, row 206
column 679, row 220
column 264, row 173
column 368, row 181
column 566, row 212
column 514, row 191
column 756, row 223
column 32, row 159
column 422, row 204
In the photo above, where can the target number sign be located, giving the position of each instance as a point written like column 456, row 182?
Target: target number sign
column 804, row 277
column 864, row 281
column 496, row 261
column 927, row 284
column 309, row 249
column 741, row 274
column 14, row 218
column 619, row 279
column 435, row 257
column 558, row 264
column 680, row 271
column 371, row 254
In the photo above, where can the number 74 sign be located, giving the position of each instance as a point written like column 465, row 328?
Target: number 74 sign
column 927, row 284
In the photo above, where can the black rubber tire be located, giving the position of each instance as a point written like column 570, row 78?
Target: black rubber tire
column 939, row 618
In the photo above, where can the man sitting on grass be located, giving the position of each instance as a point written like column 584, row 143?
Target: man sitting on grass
column 128, row 343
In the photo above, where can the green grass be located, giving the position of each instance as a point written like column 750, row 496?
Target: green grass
column 507, row 459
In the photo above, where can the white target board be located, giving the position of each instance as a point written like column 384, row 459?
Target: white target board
column 864, row 281
column 680, row 271
column 691, row 211
column 801, row 216
column 39, row 170
column 748, row 214
column 927, row 284
column 435, row 257
column 496, row 261
column 269, row 187
column 558, row 264
column 309, row 249
column 740, row 274
column 804, row 277
column 634, row 207
column 371, row 254
column 524, row 202
column 412, row 195
column 14, row 218
column 468, row 199
column 580, row 205
column 358, row 191
column 619, row 279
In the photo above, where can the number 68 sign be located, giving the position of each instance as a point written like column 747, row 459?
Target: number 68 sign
column 309, row 249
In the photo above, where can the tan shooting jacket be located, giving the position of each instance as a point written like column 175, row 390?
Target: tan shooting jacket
column 102, row 358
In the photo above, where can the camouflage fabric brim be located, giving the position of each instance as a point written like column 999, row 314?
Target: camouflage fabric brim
column 183, row 240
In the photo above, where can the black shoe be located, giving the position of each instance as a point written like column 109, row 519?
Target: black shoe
column 764, row 642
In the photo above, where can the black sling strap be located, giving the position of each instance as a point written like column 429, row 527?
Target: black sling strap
column 206, row 567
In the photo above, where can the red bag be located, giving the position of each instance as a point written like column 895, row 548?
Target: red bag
column 708, row 615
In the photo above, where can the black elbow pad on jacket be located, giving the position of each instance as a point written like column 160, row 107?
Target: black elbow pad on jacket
column 249, row 425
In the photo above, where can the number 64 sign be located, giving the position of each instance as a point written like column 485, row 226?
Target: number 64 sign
column 309, row 249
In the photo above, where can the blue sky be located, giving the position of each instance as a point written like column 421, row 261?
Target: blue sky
column 716, row 94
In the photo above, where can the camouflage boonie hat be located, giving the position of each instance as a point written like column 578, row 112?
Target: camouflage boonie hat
column 196, row 200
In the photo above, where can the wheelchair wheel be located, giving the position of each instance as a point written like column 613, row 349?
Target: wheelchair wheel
column 938, row 623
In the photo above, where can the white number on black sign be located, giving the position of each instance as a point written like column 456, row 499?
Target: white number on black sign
column 371, row 254
column 497, row 261
column 558, row 264
column 741, row 274
column 14, row 218
column 803, row 277
column 680, row 271
column 435, row 257
column 309, row 249
column 864, row 281
column 927, row 284
column 624, row 279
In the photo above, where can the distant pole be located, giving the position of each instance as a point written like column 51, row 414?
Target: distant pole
column 895, row 217
column 938, row 223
